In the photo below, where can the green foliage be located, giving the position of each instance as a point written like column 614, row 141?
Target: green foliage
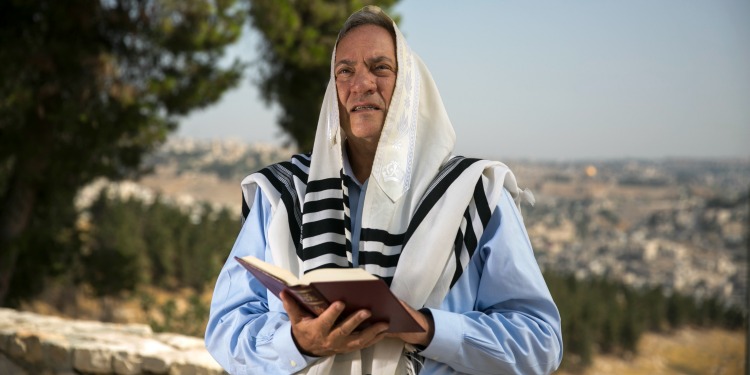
column 191, row 321
column 131, row 243
column 87, row 88
column 117, row 257
column 48, row 244
column 298, row 39
column 603, row 316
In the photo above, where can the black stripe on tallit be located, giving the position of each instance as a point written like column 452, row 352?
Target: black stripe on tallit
column 315, row 228
column 274, row 174
column 295, row 170
column 324, row 248
column 470, row 238
column 328, row 265
column 303, row 158
column 332, row 183
column 348, row 232
column 245, row 208
column 347, row 179
column 444, row 169
column 449, row 174
column 287, row 169
column 379, row 259
column 347, row 221
column 457, row 248
column 379, row 235
column 483, row 207
column 322, row 205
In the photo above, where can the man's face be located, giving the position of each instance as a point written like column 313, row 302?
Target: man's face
column 365, row 71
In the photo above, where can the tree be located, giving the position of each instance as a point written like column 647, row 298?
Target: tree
column 86, row 88
column 118, row 257
column 298, row 39
column 153, row 243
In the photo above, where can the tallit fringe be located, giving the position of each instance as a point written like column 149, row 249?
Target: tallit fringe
column 410, row 370
column 414, row 361
column 525, row 195
column 528, row 196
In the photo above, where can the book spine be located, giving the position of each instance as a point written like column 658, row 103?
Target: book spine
column 310, row 298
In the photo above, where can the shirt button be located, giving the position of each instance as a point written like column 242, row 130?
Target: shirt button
column 294, row 364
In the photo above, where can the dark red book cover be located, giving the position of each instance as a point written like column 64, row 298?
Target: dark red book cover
column 373, row 295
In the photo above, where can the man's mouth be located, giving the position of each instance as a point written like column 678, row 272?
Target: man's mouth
column 365, row 108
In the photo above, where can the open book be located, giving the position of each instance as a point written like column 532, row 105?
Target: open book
column 355, row 287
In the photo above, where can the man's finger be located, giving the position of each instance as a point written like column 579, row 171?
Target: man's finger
column 367, row 337
column 374, row 333
column 330, row 315
column 292, row 308
column 352, row 322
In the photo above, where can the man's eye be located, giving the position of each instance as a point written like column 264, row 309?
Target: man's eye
column 344, row 71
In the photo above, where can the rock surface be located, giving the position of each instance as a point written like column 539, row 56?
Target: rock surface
column 38, row 344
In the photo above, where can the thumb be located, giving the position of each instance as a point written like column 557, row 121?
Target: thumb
column 293, row 309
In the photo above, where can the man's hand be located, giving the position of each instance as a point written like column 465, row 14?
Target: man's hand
column 417, row 338
column 319, row 337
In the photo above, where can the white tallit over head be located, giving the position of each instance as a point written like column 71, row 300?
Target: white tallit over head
column 417, row 193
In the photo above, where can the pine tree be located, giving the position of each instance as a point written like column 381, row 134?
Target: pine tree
column 89, row 86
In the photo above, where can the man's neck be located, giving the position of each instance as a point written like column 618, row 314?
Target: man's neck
column 361, row 157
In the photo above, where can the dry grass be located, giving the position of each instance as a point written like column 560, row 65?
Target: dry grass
column 147, row 306
column 685, row 352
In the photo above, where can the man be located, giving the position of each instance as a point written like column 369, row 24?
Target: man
column 381, row 191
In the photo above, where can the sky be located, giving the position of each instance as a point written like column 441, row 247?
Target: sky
column 559, row 80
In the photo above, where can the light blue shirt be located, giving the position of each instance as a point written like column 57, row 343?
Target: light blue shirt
column 499, row 317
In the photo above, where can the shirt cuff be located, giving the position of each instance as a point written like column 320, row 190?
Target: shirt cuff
column 290, row 359
column 447, row 338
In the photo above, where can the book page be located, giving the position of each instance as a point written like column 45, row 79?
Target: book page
column 275, row 271
column 336, row 274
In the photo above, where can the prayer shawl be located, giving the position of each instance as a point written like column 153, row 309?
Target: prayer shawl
column 423, row 214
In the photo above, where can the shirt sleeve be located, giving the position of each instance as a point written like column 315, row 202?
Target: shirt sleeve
column 247, row 333
column 500, row 316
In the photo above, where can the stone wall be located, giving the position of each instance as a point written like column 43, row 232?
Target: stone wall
column 33, row 344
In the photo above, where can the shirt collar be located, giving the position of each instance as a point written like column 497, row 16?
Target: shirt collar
column 348, row 168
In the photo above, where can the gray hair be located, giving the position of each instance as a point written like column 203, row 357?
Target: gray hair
column 369, row 15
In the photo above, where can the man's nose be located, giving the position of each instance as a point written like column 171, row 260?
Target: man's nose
column 364, row 82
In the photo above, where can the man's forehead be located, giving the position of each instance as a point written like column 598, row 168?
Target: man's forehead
column 370, row 60
column 379, row 50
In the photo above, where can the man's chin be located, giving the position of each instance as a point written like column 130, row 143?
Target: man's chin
column 364, row 134
column 366, row 129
